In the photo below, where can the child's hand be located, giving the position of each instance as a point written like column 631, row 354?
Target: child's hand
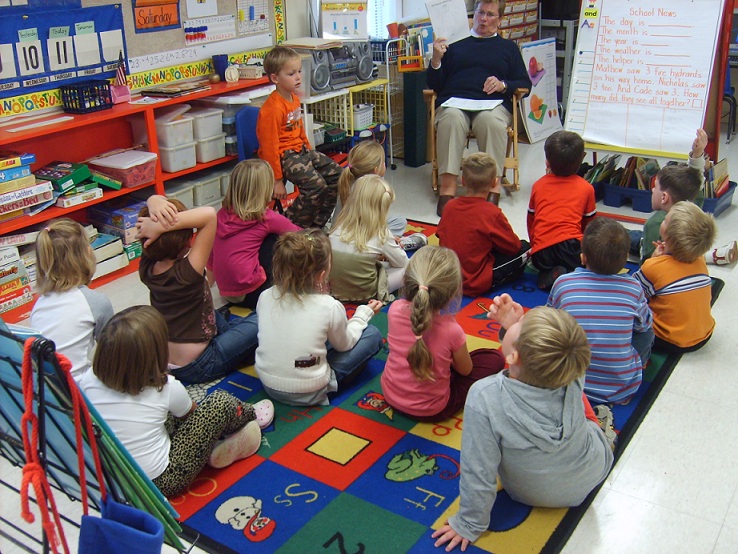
column 162, row 211
column 280, row 192
column 660, row 248
column 149, row 230
column 698, row 146
column 375, row 306
column 447, row 535
column 505, row 310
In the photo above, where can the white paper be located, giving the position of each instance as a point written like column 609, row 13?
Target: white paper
column 86, row 49
column 471, row 105
column 112, row 44
column 449, row 19
column 201, row 8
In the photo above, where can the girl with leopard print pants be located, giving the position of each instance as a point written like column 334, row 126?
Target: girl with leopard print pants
column 170, row 436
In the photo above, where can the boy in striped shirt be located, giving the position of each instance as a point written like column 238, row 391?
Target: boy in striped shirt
column 612, row 309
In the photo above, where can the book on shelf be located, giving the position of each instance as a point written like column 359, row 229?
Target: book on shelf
column 27, row 237
column 105, row 180
column 27, row 202
column 11, row 215
column 63, row 175
column 10, row 273
column 10, row 159
column 27, row 253
column 176, row 89
column 81, row 198
column 17, row 184
column 722, row 187
column 15, row 299
column 111, row 264
column 133, row 250
column 9, row 255
column 38, row 188
column 38, row 208
column 13, row 173
column 646, row 170
column 84, row 186
column 106, row 246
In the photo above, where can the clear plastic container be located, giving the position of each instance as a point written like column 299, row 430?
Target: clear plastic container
column 182, row 192
column 178, row 158
column 231, row 146
column 229, row 125
column 210, row 148
column 207, row 122
column 175, row 132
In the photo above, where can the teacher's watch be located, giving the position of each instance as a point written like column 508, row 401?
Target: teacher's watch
column 231, row 74
column 504, row 84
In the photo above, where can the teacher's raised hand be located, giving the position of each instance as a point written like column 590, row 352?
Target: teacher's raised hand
column 439, row 49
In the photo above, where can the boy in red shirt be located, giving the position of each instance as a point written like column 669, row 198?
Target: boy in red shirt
column 561, row 205
column 284, row 145
column 491, row 253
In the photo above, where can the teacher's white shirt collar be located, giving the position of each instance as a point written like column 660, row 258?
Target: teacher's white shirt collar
column 474, row 34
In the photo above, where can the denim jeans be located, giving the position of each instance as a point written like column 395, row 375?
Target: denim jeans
column 635, row 242
column 642, row 342
column 231, row 348
column 347, row 365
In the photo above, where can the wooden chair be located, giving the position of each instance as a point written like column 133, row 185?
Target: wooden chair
column 511, row 156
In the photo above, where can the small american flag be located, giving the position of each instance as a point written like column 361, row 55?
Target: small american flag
column 120, row 74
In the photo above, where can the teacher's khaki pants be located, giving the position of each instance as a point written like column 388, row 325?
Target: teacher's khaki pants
column 489, row 128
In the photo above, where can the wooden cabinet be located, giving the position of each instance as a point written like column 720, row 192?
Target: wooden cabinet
column 83, row 136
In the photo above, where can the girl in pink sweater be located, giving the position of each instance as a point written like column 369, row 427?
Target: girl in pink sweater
column 241, row 260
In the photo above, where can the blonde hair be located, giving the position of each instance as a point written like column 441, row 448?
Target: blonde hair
column 690, row 233
column 365, row 158
column 553, row 348
column 432, row 280
column 364, row 216
column 299, row 257
column 276, row 58
column 64, row 257
column 133, row 351
column 250, row 189
column 478, row 172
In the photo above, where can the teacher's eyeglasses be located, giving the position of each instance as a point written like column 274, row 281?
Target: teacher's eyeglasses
column 489, row 15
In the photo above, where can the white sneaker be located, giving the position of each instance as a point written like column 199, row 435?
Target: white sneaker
column 238, row 446
column 723, row 255
column 414, row 241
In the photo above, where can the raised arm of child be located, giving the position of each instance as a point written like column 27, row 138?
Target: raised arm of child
column 162, row 210
column 505, row 310
column 203, row 219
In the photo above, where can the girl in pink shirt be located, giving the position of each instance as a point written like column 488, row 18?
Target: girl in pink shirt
column 241, row 260
column 429, row 369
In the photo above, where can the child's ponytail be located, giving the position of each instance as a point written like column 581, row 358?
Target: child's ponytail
column 364, row 158
column 432, row 281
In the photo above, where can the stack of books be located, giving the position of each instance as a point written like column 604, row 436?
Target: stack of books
column 717, row 180
column 20, row 191
column 73, row 184
column 15, row 285
column 109, row 253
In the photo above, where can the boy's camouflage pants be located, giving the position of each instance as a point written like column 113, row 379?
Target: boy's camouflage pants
column 316, row 176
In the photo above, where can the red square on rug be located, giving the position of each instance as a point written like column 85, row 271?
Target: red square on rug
column 338, row 448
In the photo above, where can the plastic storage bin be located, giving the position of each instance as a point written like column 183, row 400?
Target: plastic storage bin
column 363, row 115
column 229, row 125
column 130, row 167
column 210, row 148
column 716, row 206
column 178, row 158
column 206, row 190
column 207, row 122
column 176, row 132
column 182, row 192
column 86, row 97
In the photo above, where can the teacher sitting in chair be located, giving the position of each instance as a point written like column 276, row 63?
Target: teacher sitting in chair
column 483, row 66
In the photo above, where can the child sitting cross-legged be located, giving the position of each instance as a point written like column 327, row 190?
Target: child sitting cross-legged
column 241, row 260
column 360, row 241
column 429, row 369
column 527, row 424
column 613, row 311
column 203, row 346
column 308, row 348
column 170, row 436
column 676, row 281
column 491, row 253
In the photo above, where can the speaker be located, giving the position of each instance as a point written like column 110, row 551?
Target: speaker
column 320, row 72
column 365, row 65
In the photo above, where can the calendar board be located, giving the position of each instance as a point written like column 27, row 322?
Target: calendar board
column 41, row 51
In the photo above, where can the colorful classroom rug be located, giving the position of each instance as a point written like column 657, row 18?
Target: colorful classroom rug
column 357, row 477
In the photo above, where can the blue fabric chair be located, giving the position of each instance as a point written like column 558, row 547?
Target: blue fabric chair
column 248, row 143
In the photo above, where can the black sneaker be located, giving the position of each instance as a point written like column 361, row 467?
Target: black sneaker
column 547, row 278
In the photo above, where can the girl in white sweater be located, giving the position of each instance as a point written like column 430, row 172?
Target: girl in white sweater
column 307, row 345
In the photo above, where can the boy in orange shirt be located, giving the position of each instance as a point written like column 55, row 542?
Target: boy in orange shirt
column 284, row 145
column 561, row 205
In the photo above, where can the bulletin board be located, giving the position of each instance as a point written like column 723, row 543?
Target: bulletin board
column 41, row 50
column 642, row 73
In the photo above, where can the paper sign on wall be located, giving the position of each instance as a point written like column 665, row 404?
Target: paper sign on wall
column 347, row 21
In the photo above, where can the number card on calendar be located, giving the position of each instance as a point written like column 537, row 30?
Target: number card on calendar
column 41, row 51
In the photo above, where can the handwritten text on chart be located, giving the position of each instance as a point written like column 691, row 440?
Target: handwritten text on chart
column 644, row 58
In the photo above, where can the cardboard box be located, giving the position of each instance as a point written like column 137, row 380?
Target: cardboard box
column 121, row 213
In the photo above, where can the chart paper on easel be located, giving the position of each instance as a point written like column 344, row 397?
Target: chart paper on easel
column 642, row 72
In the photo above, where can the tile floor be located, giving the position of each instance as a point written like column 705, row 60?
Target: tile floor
column 675, row 489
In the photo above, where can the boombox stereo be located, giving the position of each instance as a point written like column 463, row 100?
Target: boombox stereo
column 333, row 68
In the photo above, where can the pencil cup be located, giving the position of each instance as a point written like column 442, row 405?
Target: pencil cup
column 220, row 63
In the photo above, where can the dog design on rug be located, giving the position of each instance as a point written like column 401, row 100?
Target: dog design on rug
column 244, row 513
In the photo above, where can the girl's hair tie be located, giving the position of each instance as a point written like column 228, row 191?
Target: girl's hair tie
column 418, row 337
column 348, row 166
column 423, row 287
column 47, row 229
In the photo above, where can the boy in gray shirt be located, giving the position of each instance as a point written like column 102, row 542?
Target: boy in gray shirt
column 527, row 424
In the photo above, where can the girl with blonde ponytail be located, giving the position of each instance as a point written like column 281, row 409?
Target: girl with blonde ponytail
column 429, row 369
